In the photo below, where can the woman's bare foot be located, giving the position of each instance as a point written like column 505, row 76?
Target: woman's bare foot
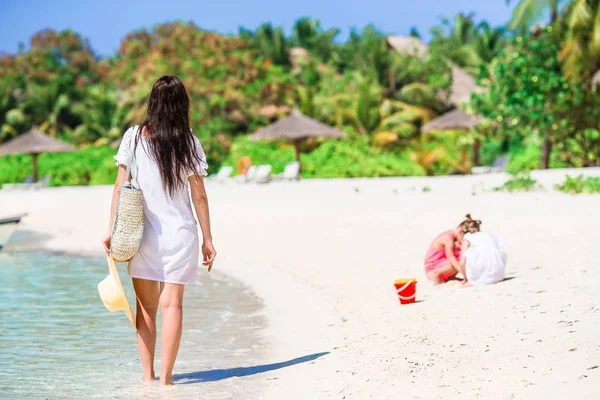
column 167, row 380
column 148, row 378
column 434, row 277
column 465, row 284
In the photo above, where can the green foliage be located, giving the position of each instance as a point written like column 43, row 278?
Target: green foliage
column 578, row 184
column 467, row 43
column 276, row 154
column 331, row 159
column 238, row 84
column 520, row 183
column 355, row 158
column 89, row 166
column 528, row 95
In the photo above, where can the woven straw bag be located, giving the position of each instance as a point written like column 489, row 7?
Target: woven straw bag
column 128, row 225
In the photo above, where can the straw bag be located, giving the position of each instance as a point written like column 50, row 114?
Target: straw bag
column 128, row 225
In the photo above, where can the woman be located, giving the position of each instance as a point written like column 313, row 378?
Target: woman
column 169, row 159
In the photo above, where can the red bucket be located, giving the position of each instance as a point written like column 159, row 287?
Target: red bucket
column 406, row 289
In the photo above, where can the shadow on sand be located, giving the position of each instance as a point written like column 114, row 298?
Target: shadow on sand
column 220, row 374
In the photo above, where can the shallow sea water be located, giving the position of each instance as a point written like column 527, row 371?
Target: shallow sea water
column 57, row 340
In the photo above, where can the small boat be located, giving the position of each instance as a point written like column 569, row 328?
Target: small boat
column 8, row 225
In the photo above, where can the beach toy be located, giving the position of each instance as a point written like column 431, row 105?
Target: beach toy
column 406, row 289
column 244, row 165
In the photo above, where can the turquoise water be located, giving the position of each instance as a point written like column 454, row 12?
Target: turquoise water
column 58, row 341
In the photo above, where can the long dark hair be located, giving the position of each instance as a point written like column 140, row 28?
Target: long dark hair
column 168, row 134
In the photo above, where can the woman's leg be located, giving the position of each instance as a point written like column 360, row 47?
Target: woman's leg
column 145, row 317
column 171, row 302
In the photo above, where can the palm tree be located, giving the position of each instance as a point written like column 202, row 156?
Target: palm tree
column 47, row 106
column 270, row 42
column 308, row 34
column 466, row 43
column 103, row 115
column 367, row 52
column 581, row 49
column 529, row 11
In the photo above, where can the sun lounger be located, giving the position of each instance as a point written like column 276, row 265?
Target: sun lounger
column 28, row 184
column 499, row 165
column 223, row 174
column 249, row 176
column 263, row 174
column 290, row 173
column 44, row 182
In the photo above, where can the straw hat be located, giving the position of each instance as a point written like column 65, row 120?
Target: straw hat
column 112, row 293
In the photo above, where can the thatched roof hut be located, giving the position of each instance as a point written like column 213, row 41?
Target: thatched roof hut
column 463, row 84
column 408, row 45
column 596, row 78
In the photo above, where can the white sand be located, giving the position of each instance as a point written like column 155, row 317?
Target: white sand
column 323, row 254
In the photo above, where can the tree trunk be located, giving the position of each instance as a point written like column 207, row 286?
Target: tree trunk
column 554, row 13
column 392, row 82
column 297, row 149
column 546, row 150
column 35, row 168
column 476, row 148
column 297, row 144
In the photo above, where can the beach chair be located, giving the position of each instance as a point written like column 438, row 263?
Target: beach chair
column 28, row 184
column 223, row 174
column 42, row 183
column 262, row 174
column 249, row 176
column 290, row 173
column 499, row 165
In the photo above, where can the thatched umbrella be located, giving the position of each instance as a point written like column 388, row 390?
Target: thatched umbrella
column 295, row 128
column 34, row 142
column 455, row 119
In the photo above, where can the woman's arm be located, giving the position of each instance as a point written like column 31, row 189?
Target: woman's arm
column 113, row 206
column 200, row 201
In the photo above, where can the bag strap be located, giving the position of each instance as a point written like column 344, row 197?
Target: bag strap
column 131, row 172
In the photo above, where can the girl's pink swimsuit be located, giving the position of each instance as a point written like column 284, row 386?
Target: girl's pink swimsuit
column 436, row 258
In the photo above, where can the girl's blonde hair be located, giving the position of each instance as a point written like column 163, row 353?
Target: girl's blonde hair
column 470, row 225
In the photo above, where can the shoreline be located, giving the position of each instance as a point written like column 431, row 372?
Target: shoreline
column 280, row 315
column 323, row 256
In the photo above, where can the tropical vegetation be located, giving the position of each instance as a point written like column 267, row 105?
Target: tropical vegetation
column 538, row 96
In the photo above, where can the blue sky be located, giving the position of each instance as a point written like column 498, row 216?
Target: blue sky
column 105, row 22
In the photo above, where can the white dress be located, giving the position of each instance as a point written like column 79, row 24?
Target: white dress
column 170, row 248
column 485, row 258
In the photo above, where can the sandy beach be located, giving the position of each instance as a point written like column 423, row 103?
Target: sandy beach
column 323, row 255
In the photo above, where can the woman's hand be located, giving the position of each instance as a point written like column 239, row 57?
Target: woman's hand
column 106, row 244
column 208, row 254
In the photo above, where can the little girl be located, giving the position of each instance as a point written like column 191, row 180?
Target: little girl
column 442, row 258
column 482, row 259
